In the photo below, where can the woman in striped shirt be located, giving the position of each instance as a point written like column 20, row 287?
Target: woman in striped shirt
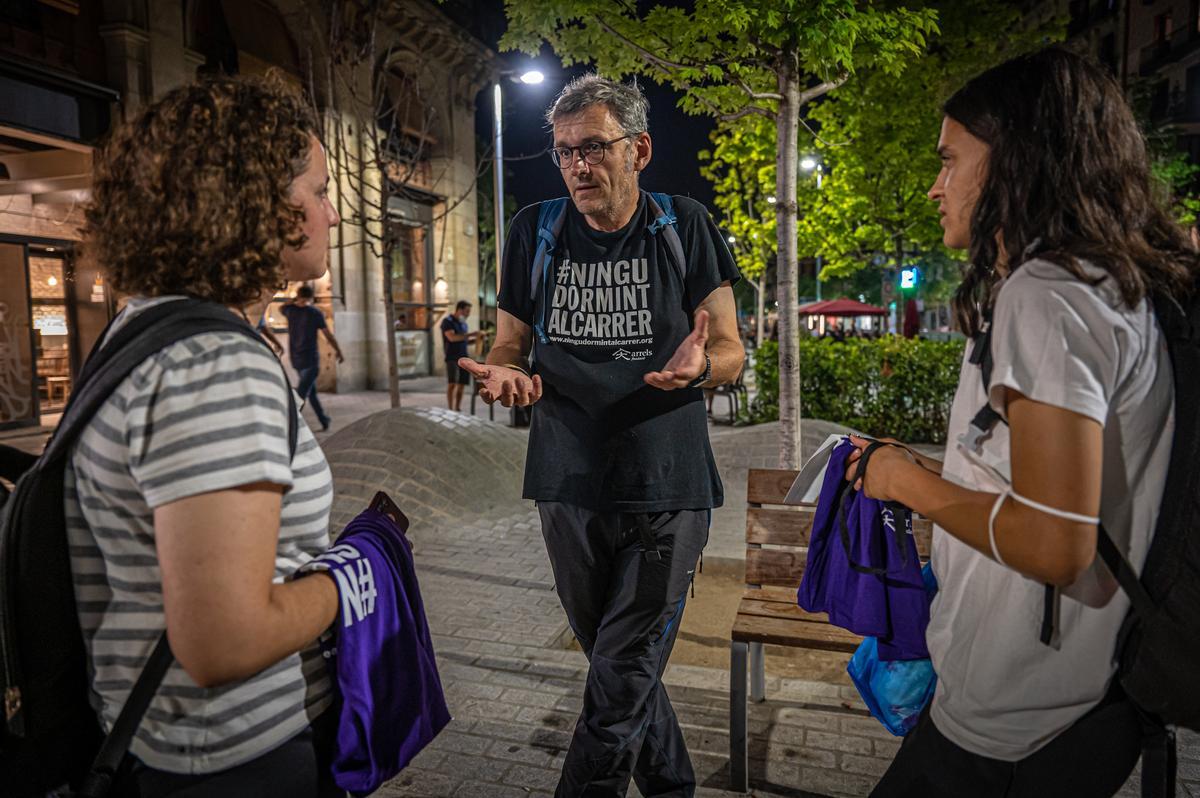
column 185, row 507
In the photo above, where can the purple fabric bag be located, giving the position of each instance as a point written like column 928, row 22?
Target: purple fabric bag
column 863, row 569
column 391, row 703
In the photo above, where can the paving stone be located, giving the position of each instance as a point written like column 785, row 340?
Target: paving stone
column 533, row 778
column 840, row 742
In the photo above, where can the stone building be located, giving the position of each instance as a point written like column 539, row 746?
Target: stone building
column 407, row 246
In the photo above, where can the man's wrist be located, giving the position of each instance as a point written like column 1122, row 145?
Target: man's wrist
column 705, row 375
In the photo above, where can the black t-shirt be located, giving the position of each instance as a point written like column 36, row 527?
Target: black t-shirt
column 454, row 349
column 600, row 437
column 303, row 323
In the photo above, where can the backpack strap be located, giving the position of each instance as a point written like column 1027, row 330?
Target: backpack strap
column 662, row 207
column 141, row 337
column 981, row 426
column 551, row 216
column 112, row 752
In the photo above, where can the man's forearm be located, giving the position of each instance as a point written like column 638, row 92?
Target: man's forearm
column 506, row 354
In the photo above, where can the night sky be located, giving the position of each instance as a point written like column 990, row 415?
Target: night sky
column 677, row 137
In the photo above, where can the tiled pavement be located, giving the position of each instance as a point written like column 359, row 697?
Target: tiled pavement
column 513, row 685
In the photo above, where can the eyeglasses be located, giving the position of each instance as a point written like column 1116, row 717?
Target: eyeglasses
column 591, row 152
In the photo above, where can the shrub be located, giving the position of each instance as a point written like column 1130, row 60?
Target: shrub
column 892, row 386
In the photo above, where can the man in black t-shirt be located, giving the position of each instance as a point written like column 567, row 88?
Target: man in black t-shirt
column 619, row 460
column 455, row 339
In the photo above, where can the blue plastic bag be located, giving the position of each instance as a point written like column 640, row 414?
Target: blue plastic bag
column 894, row 691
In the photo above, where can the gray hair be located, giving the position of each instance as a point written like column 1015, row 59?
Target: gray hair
column 625, row 100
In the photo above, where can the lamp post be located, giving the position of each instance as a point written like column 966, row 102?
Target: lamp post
column 530, row 78
column 808, row 164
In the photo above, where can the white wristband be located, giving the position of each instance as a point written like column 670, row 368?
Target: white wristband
column 1043, row 508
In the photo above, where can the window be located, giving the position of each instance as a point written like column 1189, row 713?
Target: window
column 1162, row 27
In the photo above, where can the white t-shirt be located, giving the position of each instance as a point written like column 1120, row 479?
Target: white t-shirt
column 1001, row 693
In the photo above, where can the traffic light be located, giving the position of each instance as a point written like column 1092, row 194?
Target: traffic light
column 909, row 278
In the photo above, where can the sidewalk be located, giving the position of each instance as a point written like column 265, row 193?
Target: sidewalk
column 513, row 681
column 514, row 686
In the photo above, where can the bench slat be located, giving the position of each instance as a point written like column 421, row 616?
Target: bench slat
column 768, row 485
column 772, row 593
column 779, row 527
column 778, row 609
column 775, row 567
column 798, row 634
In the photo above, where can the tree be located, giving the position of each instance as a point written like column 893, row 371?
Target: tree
column 741, row 167
column 384, row 106
column 734, row 59
column 876, row 147
column 878, row 139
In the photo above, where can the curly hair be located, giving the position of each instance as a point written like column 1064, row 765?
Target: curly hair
column 192, row 195
column 1068, row 179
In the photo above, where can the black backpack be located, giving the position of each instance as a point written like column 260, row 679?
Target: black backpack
column 1158, row 647
column 51, row 734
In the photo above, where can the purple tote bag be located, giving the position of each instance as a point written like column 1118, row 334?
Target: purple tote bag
column 863, row 569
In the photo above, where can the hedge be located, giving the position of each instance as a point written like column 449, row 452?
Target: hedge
column 893, row 386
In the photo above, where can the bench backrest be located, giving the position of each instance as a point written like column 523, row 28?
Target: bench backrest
column 777, row 534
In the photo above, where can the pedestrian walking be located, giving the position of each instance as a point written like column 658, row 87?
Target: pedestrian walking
column 1060, row 431
column 186, row 509
column 304, row 321
column 455, row 341
column 609, row 333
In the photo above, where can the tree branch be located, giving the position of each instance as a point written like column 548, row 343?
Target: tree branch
column 756, row 95
column 808, row 95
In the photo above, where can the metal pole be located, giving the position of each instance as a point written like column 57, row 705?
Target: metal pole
column 498, row 181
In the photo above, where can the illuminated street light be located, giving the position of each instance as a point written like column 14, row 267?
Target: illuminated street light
column 808, row 163
column 771, row 200
column 732, row 240
column 532, row 77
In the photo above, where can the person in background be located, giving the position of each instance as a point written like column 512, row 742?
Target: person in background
column 455, row 341
column 185, row 509
column 304, row 320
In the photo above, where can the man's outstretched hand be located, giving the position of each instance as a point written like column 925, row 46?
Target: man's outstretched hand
column 510, row 386
column 688, row 361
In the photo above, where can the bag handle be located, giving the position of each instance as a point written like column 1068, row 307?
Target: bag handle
column 848, row 496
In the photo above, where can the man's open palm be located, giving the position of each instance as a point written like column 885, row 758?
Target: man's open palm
column 688, row 361
column 510, row 386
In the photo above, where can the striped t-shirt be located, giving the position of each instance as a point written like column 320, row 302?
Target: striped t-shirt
column 204, row 414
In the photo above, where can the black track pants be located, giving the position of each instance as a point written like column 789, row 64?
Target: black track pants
column 625, row 609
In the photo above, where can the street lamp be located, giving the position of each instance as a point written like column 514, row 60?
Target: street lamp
column 530, row 77
column 808, row 164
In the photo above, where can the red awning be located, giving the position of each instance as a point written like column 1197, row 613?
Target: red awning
column 840, row 307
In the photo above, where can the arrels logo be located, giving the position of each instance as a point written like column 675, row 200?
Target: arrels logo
column 625, row 354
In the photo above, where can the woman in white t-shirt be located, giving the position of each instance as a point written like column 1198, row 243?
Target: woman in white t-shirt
column 1045, row 181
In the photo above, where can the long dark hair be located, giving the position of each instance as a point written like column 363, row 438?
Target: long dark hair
column 1067, row 180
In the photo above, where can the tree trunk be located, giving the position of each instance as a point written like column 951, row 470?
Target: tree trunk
column 786, row 128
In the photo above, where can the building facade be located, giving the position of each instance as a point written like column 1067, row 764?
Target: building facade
column 399, row 121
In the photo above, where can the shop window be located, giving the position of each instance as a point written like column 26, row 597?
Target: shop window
column 48, row 298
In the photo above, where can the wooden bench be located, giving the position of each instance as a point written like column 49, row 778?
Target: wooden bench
column 776, row 552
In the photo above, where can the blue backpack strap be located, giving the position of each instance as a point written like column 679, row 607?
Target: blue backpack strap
column 663, row 211
column 551, row 215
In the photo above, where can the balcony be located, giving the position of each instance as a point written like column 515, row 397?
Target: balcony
column 1182, row 41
